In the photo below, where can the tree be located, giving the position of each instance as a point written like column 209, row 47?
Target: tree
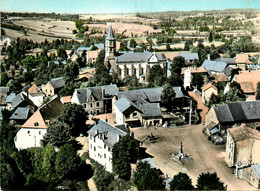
column 258, row 91
column 197, row 80
column 29, row 63
column 210, row 38
column 214, row 99
column 132, row 43
column 147, row 178
column 67, row 162
column 168, row 47
column 4, row 79
column 14, row 85
column 131, row 82
column 124, row 152
column 168, row 96
column 181, row 181
column 71, row 123
column 209, row 181
column 155, row 74
column 214, row 55
column 177, row 64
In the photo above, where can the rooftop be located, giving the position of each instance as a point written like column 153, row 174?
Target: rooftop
column 110, row 33
column 109, row 132
column 139, row 57
column 57, row 82
column 207, row 86
column 256, row 170
column 34, row 90
column 214, row 65
column 189, row 56
column 20, row 113
column 243, row 133
column 194, row 70
column 252, row 77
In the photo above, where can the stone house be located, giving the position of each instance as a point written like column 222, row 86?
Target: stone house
column 9, row 100
column 243, row 152
column 53, row 86
column 207, row 92
column 32, row 131
column 243, row 61
column 95, row 100
column 141, row 107
column 102, row 137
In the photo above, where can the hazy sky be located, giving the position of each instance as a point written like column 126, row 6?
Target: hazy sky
column 122, row 6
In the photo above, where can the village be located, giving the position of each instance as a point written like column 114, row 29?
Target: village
column 103, row 112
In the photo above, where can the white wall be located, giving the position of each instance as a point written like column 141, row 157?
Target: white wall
column 119, row 116
column 99, row 152
column 37, row 99
column 29, row 137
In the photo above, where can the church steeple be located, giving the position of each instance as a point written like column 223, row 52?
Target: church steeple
column 110, row 43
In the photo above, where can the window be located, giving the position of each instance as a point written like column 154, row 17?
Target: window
column 91, row 112
column 91, row 105
column 91, row 146
column 135, row 114
column 105, row 146
column 97, row 104
column 40, row 132
column 36, row 124
column 105, row 156
column 85, row 105
column 98, row 111
column 28, row 132
column 94, row 148
column 90, row 137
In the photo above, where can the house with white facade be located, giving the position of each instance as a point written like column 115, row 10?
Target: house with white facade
column 102, row 137
column 95, row 100
column 35, row 95
column 33, row 130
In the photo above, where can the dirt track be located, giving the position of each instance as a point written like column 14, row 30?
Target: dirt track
column 205, row 156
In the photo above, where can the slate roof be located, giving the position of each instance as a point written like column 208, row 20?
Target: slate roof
column 82, row 48
column 123, row 104
column 148, row 94
column 110, row 132
column 150, row 110
column 189, row 56
column 238, row 112
column 110, row 33
column 256, row 170
column 20, row 113
column 57, row 82
column 139, row 57
column 227, row 71
column 223, row 113
column 18, row 99
column 4, row 90
column 97, row 92
column 149, row 161
column 10, row 97
column 214, row 65
column 100, row 45
column 227, row 60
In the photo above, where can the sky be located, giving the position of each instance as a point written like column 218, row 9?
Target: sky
column 122, row 6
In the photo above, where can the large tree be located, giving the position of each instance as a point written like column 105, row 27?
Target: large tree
column 156, row 76
column 197, row 80
column 177, row 64
column 209, row 181
column 168, row 96
column 67, row 162
column 147, row 178
column 124, row 152
column 181, row 181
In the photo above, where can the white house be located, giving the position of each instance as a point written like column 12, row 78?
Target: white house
column 33, row 130
column 31, row 133
column 35, row 95
column 102, row 138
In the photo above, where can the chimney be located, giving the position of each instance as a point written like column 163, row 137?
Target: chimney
column 118, row 137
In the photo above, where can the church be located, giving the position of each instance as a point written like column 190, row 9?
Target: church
column 134, row 63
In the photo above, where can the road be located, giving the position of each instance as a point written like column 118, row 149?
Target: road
column 206, row 157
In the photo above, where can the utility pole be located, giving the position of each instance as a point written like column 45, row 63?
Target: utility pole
column 190, row 111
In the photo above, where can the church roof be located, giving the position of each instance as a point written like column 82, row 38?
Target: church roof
column 139, row 57
column 110, row 33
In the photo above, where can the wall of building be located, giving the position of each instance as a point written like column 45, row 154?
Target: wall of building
column 230, row 148
column 29, row 137
column 151, row 121
column 256, row 151
column 48, row 90
column 207, row 93
column 37, row 99
column 99, row 152
column 211, row 117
